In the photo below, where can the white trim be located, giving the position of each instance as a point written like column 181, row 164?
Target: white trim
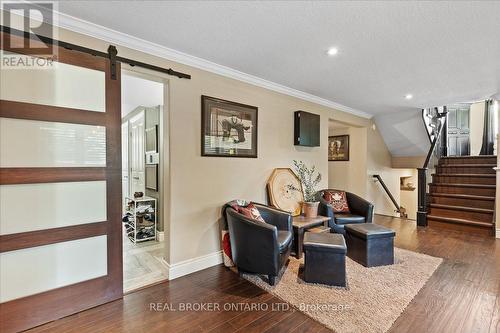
column 93, row 30
column 193, row 265
column 498, row 233
column 160, row 236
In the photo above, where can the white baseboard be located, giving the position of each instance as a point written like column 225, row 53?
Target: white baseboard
column 160, row 236
column 498, row 233
column 193, row 265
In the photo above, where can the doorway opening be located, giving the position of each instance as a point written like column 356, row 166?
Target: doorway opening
column 143, row 190
column 472, row 128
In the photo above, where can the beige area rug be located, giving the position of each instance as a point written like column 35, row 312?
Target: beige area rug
column 373, row 299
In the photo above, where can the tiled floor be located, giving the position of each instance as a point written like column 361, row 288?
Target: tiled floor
column 142, row 263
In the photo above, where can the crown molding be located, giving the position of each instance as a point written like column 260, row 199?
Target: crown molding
column 112, row 36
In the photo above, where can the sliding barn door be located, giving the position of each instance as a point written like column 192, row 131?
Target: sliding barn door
column 60, row 189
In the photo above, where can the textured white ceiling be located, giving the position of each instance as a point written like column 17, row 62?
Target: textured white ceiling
column 441, row 52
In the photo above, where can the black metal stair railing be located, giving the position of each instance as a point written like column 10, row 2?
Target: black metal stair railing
column 386, row 189
column 432, row 122
column 438, row 149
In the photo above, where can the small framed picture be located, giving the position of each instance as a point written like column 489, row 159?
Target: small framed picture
column 338, row 148
column 228, row 129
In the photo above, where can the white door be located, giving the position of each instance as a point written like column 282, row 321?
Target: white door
column 136, row 154
column 125, row 166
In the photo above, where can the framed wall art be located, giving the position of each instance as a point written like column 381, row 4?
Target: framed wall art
column 338, row 148
column 228, row 129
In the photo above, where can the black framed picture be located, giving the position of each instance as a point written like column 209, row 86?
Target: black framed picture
column 338, row 148
column 228, row 129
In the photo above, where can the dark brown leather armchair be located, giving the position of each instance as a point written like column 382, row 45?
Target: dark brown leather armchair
column 258, row 247
column 361, row 211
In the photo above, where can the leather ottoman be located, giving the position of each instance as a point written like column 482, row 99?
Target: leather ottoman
column 370, row 244
column 325, row 258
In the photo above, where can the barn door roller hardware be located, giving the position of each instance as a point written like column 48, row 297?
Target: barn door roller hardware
column 112, row 53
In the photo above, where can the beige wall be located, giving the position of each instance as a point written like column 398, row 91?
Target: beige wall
column 199, row 186
column 350, row 175
column 338, row 171
column 405, row 162
column 369, row 156
column 409, row 199
column 476, row 127
column 380, row 162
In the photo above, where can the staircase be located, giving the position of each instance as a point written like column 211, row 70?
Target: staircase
column 462, row 194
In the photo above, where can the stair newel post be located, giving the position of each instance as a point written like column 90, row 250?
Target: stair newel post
column 422, row 197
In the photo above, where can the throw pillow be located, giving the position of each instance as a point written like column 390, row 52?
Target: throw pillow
column 338, row 201
column 226, row 249
column 251, row 211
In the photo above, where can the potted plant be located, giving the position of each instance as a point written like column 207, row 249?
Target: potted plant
column 309, row 182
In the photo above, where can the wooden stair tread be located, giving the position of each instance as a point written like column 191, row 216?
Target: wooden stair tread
column 468, row 157
column 464, row 185
column 463, row 196
column 482, row 175
column 458, row 210
column 460, row 221
column 462, row 208
column 467, row 165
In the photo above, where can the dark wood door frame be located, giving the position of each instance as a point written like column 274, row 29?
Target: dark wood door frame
column 30, row 311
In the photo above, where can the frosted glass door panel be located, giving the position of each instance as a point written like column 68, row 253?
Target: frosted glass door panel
column 29, row 207
column 61, row 85
column 30, row 143
column 33, row 270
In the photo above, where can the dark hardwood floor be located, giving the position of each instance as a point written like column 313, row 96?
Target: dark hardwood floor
column 461, row 296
